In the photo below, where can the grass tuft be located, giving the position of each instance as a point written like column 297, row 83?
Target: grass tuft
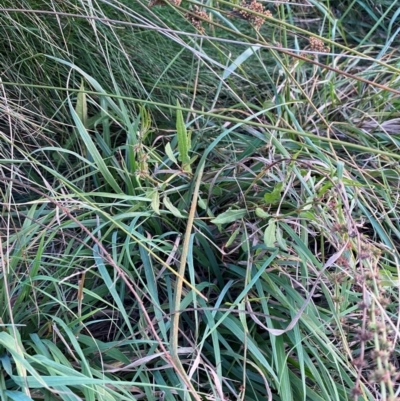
column 199, row 200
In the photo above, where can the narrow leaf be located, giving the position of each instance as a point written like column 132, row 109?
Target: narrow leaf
column 183, row 141
column 81, row 105
column 240, row 60
column 17, row 396
column 232, row 237
column 95, row 154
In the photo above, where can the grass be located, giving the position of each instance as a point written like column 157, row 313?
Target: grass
column 199, row 201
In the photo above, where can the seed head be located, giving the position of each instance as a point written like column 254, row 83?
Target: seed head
column 317, row 45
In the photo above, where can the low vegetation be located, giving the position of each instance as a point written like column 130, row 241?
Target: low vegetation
column 199, row 200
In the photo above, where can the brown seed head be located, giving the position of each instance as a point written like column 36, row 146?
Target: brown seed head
column 153, row 3
column 255, row 7
column 197, row 18
column 317, row 45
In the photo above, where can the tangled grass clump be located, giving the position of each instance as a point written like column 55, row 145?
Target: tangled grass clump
column 190, row 216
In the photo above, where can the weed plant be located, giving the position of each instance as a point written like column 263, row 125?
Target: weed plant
column 199, row 200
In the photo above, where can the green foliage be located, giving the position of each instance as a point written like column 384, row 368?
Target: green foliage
column 190, row 216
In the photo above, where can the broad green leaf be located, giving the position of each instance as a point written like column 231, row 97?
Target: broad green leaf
column 307, row 215
column 270, row 234
column 175, row 211
column 242, row 316
column 280, row 240
column 262, row 213
column 275, row 195
column 155, row 202
column 202, row 203
column 229, row 216
column 245, row 244
column 170, row 153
